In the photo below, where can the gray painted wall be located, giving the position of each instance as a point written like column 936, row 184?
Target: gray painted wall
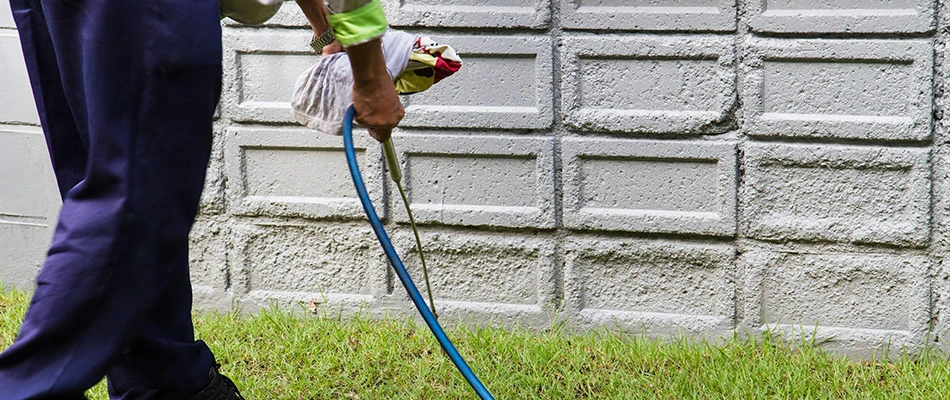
column 29, row 200
column 689, row 166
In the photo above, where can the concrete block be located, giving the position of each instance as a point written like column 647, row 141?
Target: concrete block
column 24, row 251
column 26, row 173
column 16, row 97
column 469, row 13
column 289, row 16
column 506, row 82
column 338, row 264
column 482, row 276
column 29, row 204
column 941, row 150
column 850, row 302
column 477, row 180
column 260, row 69
column 842, row 16
column 837, row 193
column 6, row 17
column 213, row 195
column 438, row 13
column 657, row 287
column 650, row 186
column 941, row 200
column 941, row 304
column 207, row 255
column 650, row 15
column 850, row 89
column 649, row 84
column 298, row 173
column 210, row 264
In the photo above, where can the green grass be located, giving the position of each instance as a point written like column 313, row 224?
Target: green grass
column 281, row 355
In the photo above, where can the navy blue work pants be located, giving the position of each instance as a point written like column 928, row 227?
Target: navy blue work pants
column 126, row 91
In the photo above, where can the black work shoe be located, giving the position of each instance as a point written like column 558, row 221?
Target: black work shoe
column 220, row 387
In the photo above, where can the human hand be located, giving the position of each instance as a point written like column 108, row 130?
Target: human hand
column 332, row 48
column 378, row 108
column 374, row 96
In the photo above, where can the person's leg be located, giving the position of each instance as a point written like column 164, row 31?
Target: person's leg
column 145, row 78
column 150, row 367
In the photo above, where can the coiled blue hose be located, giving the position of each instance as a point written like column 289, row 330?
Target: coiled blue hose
column 399, row 267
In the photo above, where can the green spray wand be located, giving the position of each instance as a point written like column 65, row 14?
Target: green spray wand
column 392, row 164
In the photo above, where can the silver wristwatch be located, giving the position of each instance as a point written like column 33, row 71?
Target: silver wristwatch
column 318, row 42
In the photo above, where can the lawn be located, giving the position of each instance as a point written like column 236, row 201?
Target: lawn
column 278, row 354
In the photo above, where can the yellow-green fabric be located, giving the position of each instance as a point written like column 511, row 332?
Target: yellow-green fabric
column 360, row 25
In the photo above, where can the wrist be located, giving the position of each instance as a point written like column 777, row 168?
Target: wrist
column 368, row 63
column 371, row 78
column 318, row 42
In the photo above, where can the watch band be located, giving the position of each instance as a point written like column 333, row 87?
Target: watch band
column 318, row 42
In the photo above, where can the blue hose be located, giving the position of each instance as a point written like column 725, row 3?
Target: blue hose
column 397, row 263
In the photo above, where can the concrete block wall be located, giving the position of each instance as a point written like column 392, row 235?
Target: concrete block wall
column 692, row 168
column 696, row 167
column 29, row 200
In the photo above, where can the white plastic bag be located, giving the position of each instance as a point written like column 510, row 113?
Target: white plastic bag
column 323, row 92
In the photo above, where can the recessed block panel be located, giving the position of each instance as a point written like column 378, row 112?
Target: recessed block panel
column 308, row 261
column 261, row 67
column 462, row 184
column 837, row 193
column 861, row 299
column 874, row 90
column 505, row 83
column 842, row 16
column 297, row 172
column 483, row 269
column 653, row 194
column 477, row 180
column 27, row 186
column 658, row 286
column 304, row 172
column 670, row 85
column 16, row 96
column 650, row 186
column 269, row 78
column 469, row 13
column 649, row 15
